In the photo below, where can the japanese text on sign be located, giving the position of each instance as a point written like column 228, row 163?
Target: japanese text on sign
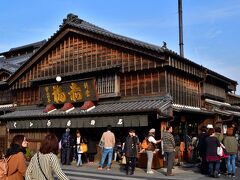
column 77, row 91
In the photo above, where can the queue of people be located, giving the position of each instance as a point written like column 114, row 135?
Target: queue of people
column 45, row 162
column 213, row 163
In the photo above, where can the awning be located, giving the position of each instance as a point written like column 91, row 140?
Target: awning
column 159, row 104
column 85, row 122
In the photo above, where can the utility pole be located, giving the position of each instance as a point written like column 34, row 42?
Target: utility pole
column 180, row 27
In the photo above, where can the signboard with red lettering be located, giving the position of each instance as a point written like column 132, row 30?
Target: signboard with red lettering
column 75, row 91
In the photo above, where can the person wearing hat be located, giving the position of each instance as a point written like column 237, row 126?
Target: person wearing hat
column 150, row 149
column 130, row 151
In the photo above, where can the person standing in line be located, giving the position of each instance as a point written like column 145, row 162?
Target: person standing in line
column 194, row 148
column 45, row 162
column 231, row 145
column 218, row 134
column 201, row 147
column 66, row 145
column 118, row 150
column 212, row 143
column 168, row 148
column 130, row 150
column 77, row 144
column 17, row 162
column 92, row 148
column 150, row 149
column 177, row 148
column 108, row 139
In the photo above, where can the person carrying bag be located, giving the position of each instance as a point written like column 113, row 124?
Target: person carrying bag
column 45, row 162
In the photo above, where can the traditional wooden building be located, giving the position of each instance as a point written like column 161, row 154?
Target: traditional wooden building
column 85, row 77
column 10, row 61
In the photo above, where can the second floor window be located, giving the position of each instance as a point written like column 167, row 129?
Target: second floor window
column 107, row 84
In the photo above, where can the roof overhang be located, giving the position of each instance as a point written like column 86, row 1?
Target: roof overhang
column 224, row 109
column 191, row 109
column 159, row 105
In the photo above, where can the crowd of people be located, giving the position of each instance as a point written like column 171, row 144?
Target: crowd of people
column 204, row 147
column 209, row 142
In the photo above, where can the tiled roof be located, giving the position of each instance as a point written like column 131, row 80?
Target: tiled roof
column 7, row 107
column 234, row 113
column 158, row 104
column 217, row 103
column 73, row 20
column 184, row 108
column 224, row 108
column 223, row 105
column 9, row 66
column 35, row 45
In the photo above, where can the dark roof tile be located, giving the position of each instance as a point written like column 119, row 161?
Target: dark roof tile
column 121, row 106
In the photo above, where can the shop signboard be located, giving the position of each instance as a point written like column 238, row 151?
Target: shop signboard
column 75, row 91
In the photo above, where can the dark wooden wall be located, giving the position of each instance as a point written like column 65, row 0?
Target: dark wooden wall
column 184, row 89
column 76, row 54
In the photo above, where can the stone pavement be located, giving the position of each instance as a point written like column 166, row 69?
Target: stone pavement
column 186, row 172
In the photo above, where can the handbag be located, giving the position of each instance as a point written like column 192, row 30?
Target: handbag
column 101, row 144
column 124, row 160
column 83, row 147
column 40, row 167
column 219, row 151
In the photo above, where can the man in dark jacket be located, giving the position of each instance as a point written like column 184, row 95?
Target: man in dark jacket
column 130, row 151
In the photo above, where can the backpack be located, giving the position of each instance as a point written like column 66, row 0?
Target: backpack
column 4, row 168
column 145, row 143
column 65, row 142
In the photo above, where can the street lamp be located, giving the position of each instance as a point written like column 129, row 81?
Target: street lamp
column 58, row 78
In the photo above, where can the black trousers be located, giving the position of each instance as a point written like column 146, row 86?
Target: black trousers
column 65, row 156
column 131, row 164
column 204, row 165
column 91, row 157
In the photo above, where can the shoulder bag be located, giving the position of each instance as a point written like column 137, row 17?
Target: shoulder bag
column 40, row 167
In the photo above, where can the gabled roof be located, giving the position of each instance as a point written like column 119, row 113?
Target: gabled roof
column 73, row 23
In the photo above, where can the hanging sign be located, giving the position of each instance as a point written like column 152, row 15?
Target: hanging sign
column 76, row 91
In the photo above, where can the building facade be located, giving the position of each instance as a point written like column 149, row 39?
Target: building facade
column 85, row 77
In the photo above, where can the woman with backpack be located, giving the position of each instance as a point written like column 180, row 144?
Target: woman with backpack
column 150, row 149
column 17, row 162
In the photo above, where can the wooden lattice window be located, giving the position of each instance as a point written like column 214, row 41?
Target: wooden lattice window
column 107, row 84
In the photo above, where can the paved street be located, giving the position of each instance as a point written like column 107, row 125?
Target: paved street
column 90, row 172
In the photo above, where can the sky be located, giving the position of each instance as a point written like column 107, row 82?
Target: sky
column 211, row 27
